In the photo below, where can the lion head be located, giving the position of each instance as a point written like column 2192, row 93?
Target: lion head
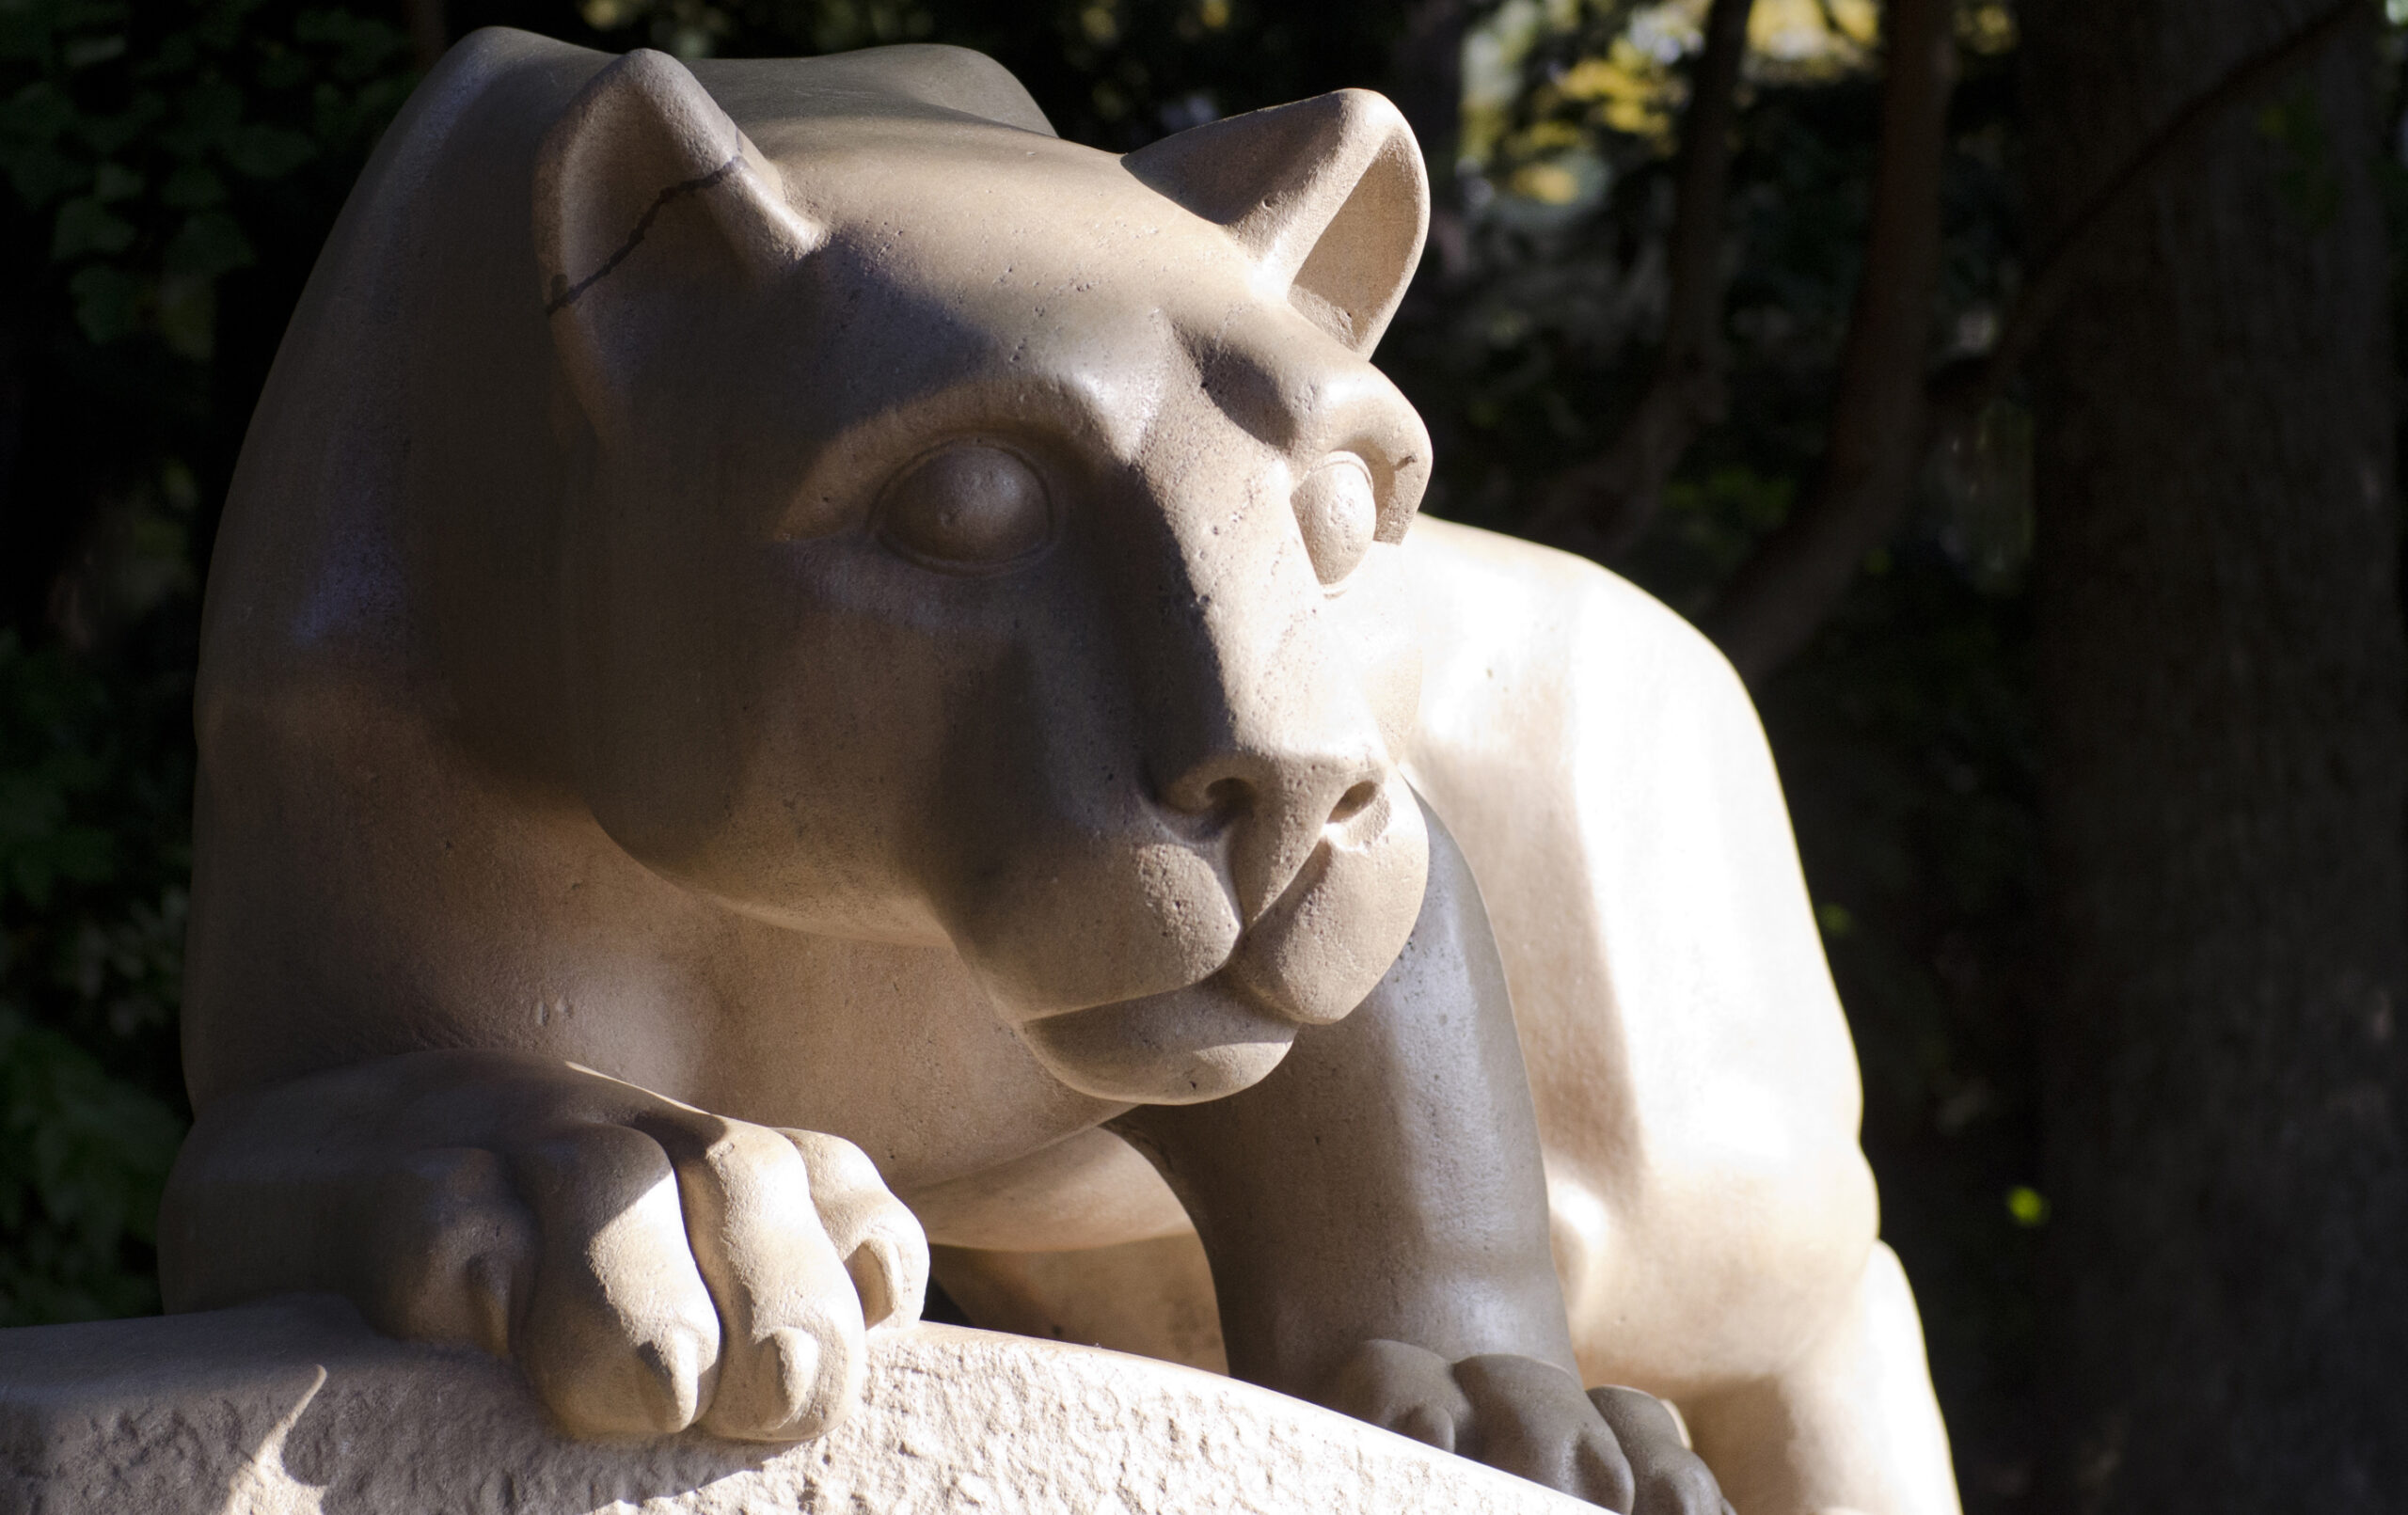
column 953, row 535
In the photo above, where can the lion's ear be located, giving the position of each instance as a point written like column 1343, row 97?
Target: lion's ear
column 1329, row 194
column 643, row 185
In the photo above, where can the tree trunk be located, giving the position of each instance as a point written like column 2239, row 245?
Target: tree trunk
column 1426, row 81
column 429, row 31
column 2222, row 689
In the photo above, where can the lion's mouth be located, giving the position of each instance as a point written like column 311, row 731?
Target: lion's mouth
column 1308, row 959
column 1314, row 953
column 1179, row 1048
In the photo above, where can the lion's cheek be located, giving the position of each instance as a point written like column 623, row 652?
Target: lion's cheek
column 1378, row 620
column 1054, row 927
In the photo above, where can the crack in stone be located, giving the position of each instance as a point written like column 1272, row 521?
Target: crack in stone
column 564, row 294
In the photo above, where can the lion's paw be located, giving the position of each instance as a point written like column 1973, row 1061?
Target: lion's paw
column 650, row 1265
column 1616, row 1447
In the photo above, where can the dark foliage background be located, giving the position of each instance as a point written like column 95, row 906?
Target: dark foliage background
column 172, row 166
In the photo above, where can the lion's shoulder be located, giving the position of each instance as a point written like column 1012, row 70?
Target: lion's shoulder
column 1515, row 632
column 1606, row 773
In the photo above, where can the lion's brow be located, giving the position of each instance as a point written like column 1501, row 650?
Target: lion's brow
column 1250, row 391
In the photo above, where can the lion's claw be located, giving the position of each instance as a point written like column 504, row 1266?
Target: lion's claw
column 1615, row 1447
column 651, row 1266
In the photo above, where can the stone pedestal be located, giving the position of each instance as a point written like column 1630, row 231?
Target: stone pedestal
column 296, row 1408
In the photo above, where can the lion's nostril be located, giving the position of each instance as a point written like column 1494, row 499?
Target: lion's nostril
column 1226, row 797
column 1353, row 802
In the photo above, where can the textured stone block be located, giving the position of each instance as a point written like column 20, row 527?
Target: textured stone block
column 296, row 1408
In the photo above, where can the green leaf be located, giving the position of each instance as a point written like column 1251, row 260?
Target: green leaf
column 106, row 135
column 367, row 46
column 81, row 853
column 211, row 110
column 39, row 174
column 114, row 182
column 84, row 1156
column 283, row 69
column 83, row 52
column 193, row 187
column 207, row 244
column 265, row 152
column 38, row 113
column 2028, row 1205
column 188, row 312
column 85, row 225
column 108, row 302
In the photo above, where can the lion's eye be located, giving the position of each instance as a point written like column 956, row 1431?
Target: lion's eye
column 1337, row 510
column 966, row 507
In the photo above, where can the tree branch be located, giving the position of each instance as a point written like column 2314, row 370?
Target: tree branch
column 1617, row 492
column 1786, row 588
column 1962, row 392
column 1790, row 585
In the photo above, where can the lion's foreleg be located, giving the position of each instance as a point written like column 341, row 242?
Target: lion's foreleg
column 1376, row 1214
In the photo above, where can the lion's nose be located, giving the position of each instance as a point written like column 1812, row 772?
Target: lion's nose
column 1274, row 809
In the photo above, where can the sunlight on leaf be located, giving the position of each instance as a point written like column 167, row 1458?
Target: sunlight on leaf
column 1549, row 184
column 1627, row 79
column 1811, row 37
column 1986, row 26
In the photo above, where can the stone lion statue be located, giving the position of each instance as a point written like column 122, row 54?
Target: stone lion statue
column 798, row 668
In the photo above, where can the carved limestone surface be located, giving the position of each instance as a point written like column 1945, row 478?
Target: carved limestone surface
column 299, row 1409
column 798, row 668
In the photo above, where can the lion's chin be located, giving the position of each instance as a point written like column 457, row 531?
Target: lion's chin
column 1182, row 1048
